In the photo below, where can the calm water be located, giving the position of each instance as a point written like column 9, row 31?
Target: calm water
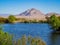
column 41, row 30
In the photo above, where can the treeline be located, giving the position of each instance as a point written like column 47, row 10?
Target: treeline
column 13, row 19
column 7, row 39
column 23, row 20
column 10, row 19
column 54, row 21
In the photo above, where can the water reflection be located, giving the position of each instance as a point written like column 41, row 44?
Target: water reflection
column 55, row 39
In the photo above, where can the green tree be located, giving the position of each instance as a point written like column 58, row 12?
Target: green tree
column 11, row 19
column 55, row 22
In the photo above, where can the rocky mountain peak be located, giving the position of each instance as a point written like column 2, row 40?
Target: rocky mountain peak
column 31, row 12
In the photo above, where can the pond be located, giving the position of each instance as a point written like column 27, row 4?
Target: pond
column 41, row 30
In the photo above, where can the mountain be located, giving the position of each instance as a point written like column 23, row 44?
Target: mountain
column 49, row 14
column 31, row 12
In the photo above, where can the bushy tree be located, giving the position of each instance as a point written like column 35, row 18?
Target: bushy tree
column 11, row 19
column 55, row 22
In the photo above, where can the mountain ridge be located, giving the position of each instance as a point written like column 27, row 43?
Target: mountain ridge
column 52, row 13
column 31, row 12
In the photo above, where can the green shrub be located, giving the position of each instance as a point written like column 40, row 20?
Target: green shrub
column 55, row 22
column 11, row 19
column 5, row 38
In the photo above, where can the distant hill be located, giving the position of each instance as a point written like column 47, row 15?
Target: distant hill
column 32, row 14
column 49, row 14
column 4, row 15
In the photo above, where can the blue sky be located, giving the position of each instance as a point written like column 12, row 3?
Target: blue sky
column 18, row 6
